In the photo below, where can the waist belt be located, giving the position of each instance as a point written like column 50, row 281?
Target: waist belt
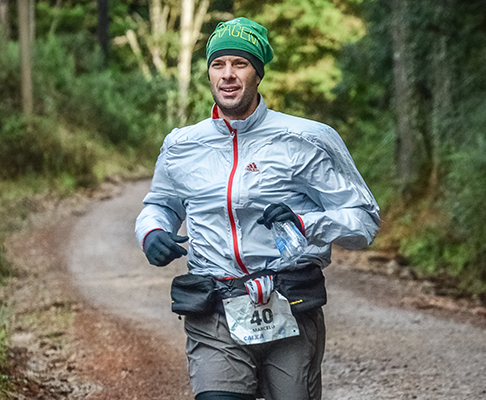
column 195, row 294
column 304, row 288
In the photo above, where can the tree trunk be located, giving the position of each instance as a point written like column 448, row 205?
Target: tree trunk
column 4, row 19
column 133, row 42
column 103, row 29
column 405, row 100
column 55, row 20
column 185, row 55
column 442, row 89
column 191, row 23
column 24, row 11
column 31, row 10
column 158, row 45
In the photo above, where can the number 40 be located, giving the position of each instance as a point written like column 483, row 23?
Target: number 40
column 267, row 317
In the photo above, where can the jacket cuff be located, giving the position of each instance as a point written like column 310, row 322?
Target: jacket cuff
column 143, row 240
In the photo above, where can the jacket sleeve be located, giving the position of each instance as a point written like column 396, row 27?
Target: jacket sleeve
column 163, row 207
column 350, row 215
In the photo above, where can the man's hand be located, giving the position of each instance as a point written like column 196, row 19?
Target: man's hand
column 279, row 212
column 161, row 248
column 260, row 289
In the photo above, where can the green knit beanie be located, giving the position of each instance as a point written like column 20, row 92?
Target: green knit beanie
column 241, row 37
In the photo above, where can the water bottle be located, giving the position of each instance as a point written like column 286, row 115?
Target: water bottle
column 289, row 240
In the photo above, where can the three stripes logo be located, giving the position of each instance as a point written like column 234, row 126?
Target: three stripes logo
column 252, row 167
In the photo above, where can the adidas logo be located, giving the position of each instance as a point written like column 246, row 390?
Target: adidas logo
column 252, row 167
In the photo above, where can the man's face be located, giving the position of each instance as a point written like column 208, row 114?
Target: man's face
column 234, row 86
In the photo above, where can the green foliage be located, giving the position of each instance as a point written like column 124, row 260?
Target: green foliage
column 306, row 37
column 436, row 251
column 425, row 250
column 465, row 200
column 9, row 77
column 5, row 266
column 201, row 99
column 460, row 244
column 39, row 147
column 433, row 248
column 302, row 32
column 441, row 230
column 123, row 109
column 362, row 106
column 84, row 116
column 157, row 42
column 4, row 319
column 5, row 382
column 373, row 153
column 69, row 17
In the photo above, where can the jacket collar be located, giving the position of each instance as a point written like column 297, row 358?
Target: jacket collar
column 241, row 125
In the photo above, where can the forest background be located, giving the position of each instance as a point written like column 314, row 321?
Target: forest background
column 89, row 89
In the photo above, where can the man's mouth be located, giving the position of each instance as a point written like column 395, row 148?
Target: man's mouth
column 229, row 89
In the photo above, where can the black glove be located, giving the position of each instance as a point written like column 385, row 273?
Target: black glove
column 161, row 248
column 279, row 212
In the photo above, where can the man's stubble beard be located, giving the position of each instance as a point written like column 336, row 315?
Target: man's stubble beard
column 236, row 109
column 240, row 108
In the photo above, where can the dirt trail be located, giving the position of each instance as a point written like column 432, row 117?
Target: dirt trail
column 112, row 272
column 126, row 344
column 381, row 352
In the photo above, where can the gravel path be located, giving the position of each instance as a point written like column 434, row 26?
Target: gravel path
column 375, row 350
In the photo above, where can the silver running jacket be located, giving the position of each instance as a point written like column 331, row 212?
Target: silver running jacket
column 221, row 175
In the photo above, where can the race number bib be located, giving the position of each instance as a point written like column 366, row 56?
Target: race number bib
column 252, row 324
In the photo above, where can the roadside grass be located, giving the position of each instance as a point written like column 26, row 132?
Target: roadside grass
column 12, row 213
column 4, row 345
column 5, row 272
column 20, row 200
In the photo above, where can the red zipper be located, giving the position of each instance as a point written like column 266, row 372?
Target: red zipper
column 228, row 199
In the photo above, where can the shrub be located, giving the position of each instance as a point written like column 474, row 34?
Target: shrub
column 9, row 77
column 123, row 109
column 41, row 147
column 466, row 199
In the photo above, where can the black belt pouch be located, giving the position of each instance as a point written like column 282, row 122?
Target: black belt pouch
column 192, row 294
column 305, row 288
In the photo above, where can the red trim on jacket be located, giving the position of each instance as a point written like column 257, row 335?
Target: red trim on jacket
column 260, row 291
column 143, row 241
column 215, row 112
column 228, row 199
column 302, row 226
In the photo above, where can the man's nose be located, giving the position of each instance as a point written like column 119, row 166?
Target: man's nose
column 228, row 71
